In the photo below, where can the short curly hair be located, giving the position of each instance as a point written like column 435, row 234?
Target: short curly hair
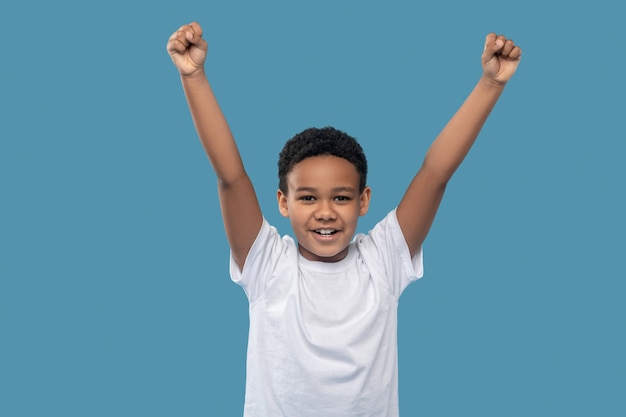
column 321, row 141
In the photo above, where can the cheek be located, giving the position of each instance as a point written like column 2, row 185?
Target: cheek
column 351, row 214
column 297, row 212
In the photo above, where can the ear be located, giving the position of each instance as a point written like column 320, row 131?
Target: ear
column 364, row 201
column 282, row 203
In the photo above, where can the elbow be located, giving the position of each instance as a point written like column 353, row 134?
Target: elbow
column 436, row 176
column 233, row 181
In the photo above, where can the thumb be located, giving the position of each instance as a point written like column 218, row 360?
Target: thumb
column 493, row 45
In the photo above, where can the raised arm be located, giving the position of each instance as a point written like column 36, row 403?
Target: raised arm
column 419, row 205
column 240, row 208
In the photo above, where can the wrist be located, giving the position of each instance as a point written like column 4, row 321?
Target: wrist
column 198, row 74
column 194, row 79
column 490, row 83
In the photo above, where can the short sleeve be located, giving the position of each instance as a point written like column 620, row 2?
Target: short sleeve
column 385, row 251
column 260, row 264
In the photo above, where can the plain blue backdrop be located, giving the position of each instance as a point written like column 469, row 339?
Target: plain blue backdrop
column 115, row 298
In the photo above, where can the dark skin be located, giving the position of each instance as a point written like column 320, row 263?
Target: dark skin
column 240, row 208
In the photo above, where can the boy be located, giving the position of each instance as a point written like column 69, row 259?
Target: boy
column 323, row 308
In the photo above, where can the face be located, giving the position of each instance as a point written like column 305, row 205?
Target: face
column 323, row 204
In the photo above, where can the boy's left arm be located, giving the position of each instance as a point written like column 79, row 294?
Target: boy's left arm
column 419, row 205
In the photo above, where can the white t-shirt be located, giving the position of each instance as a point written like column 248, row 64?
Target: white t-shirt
column 322, row 339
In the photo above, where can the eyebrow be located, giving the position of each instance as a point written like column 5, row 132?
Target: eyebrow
column 336, row 189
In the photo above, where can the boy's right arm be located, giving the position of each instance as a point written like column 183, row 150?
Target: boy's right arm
column 240, row 208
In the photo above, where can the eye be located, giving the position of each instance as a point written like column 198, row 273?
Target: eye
column 306, row 198
column 342, row 198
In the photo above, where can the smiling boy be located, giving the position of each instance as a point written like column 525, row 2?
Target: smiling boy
column 323, row 308
column 322, row 190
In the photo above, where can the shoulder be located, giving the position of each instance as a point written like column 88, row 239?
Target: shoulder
column 384, row 249
column 386, row 231
column 270, row 243
column 268, row 248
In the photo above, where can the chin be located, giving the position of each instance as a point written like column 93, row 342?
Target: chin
column 324, row 255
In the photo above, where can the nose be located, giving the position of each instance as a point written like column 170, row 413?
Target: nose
column 325, row 211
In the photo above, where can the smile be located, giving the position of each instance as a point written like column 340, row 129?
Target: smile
column 325, row 232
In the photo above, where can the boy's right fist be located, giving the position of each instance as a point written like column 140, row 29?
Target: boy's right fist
column 187, row 49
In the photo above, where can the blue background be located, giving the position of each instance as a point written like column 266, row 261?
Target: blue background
column 115, row 298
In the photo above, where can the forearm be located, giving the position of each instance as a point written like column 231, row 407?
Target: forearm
column 213, row 130
column 455, row 140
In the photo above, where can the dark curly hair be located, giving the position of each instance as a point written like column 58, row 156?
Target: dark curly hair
column 325, row 141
